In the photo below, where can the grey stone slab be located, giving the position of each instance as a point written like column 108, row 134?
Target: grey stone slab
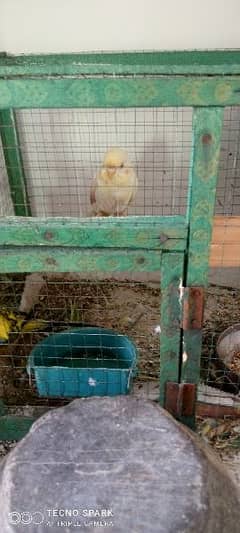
column 118, row 464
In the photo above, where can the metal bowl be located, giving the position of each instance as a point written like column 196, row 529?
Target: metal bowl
column 228, row 345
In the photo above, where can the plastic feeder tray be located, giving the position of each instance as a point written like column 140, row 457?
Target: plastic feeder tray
column 83, row 362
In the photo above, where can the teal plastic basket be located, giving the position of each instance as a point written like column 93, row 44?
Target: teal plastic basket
column 83, row 362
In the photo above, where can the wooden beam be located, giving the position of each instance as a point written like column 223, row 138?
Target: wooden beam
column 207, row 127
column 216, row 411
column 166, row 233
column 170, row 341
column 210, row 62
column 14, row 163
column 15, row 427
column 50, row 259
column 69, row 92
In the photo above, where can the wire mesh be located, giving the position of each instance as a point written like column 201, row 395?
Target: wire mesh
column 228, row 191
column 219, row 389
column 65, row 301
column 63, row 150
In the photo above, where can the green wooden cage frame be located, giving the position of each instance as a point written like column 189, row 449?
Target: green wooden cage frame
column 177, row 245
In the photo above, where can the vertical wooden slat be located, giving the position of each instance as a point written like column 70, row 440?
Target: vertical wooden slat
column 171, row 281
column 14, row 164
column 207, row 125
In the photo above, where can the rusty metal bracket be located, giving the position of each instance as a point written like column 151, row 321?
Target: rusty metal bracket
column 193, row 307
column 180, row 399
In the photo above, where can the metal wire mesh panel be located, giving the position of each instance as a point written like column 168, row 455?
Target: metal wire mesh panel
column 220, row 365
column 62, row 151
column 228, row 192
column 61, row 303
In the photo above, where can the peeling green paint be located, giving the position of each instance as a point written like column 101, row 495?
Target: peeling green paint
column 132, row 232
column 172, row 267
column 210, row 62
column 207, row 127
column 118, row 92
column 50, row 259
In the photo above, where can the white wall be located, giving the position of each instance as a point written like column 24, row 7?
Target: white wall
column 75, row 25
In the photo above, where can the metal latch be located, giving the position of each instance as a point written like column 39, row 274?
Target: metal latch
column 193, row 307
column 180, row 399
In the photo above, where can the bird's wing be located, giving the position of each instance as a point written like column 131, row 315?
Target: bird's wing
column 132, row 187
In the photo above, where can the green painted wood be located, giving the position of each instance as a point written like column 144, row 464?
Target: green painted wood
column 174, row 62
column 207, row 126
column 119, row 92
column 3, row 408
column 50, row 259
column 166, row 233
column 14, row 427
column 14, row 164
column 172, row 266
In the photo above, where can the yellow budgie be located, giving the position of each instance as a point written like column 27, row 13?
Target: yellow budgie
column 115, row 185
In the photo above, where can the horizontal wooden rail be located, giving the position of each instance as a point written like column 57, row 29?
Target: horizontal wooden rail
column 225, row 247
column 208, row 62
column 60, row 259
column 119, row 92
column 157, row 233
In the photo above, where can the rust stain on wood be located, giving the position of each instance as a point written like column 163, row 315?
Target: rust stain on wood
column 180, row 399
column 163, row 238
column 48, row 235
column 207, row 138
column 193, row 305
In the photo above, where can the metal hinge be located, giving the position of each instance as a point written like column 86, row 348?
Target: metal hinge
column 192, row 308
column 180, row 399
